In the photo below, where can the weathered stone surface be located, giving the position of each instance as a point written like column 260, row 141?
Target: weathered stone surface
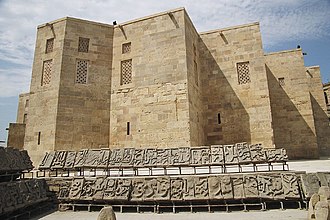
column 310, row 184
column 106, row 213
column 19, row 194
column 319, row 204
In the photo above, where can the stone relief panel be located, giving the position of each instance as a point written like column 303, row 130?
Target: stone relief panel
column 270, row 186
column 47, row 160
column 215, row 190
column 115, row 158
column 250, row 184
column 76, row 188
column 324, row 178
column 70, row 160
column 230, row 153
column 274, row 155
column 258, row 154
column 201, row 188
column 80, row 158
column 217, row 157
column 150, row 157
column 59, row 159
column 200, row 156
column 290, row 185
column 127, row 158
column 243, row 153
column 237, row 186
column 163, row 157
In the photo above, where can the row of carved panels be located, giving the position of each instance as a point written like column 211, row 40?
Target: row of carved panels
column 12, row 159
column 19, row 194
column 220, row 187
column 241, row 153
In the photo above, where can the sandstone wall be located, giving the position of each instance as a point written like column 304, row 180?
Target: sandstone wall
column 84, row 100
column 23, row 108
column 16, row 135
column 152, row 109
column 292, row 113
column 236, row 106
column 321, row 121
column 43, row 101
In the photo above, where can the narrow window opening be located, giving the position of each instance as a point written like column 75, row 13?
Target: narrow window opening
column 326, row 98
column 39, row 137
column 128, row 128
column 219, row 119
column 25, row 118
column 281, row 81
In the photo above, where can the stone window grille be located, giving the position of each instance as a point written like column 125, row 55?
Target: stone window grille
column 126, row 48
column 49, row 45
column 126, row 72
column 83, row 44
column 81, row 71
column 243, row 72
column 281, row 81
column 47, row 72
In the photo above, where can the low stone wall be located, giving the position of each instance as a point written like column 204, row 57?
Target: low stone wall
column 240, row 153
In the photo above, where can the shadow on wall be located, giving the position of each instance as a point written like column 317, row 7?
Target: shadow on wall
column 225, row 119
column 290, row 128
column 322, row 127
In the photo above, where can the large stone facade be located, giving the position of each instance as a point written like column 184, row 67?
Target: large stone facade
column 157, row 82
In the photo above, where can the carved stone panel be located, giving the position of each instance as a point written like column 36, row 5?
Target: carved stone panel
column 64, row 189
column 150, row 157
column 47, row 160
column 243, row 153
column 163, row 157
column 290, row 185
column 87, row 190
column 276, row 155
column 93, row 157
column 103, row 160
column 238, row 188
column 138, row 189
column 200, row 156
column 180, row 156
column 70, row 159
column 188, row 187
column 138, row 158
column 177, row 185
column 270, row 186
column 76, row 188
column 115, row 158
column 310, row 184
column 215, row 187
column 217, row 157
column 123, row 189
column 250, row 184
column 109, row 192
column 59, row 159
column 150, row 188
column 230, row 153
column 226, row 187
column 127, row 158
column 80, row 158
column 201, row 188
column 258, row 154
column 163, row 188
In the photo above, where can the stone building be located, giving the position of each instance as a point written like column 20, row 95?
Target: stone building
column 156, row 81
column 326, row 90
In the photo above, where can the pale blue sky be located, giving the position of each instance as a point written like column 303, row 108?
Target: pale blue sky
column 284, row 25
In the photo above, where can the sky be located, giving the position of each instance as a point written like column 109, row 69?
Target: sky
column 284, row 25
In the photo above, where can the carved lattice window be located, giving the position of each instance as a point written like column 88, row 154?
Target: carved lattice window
column 126, row 48
column 83, row 44
column 49, row 45
column 47, row 72
column 281, row 81
column 243, row 72
column 81, row 72
column 126, row 72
